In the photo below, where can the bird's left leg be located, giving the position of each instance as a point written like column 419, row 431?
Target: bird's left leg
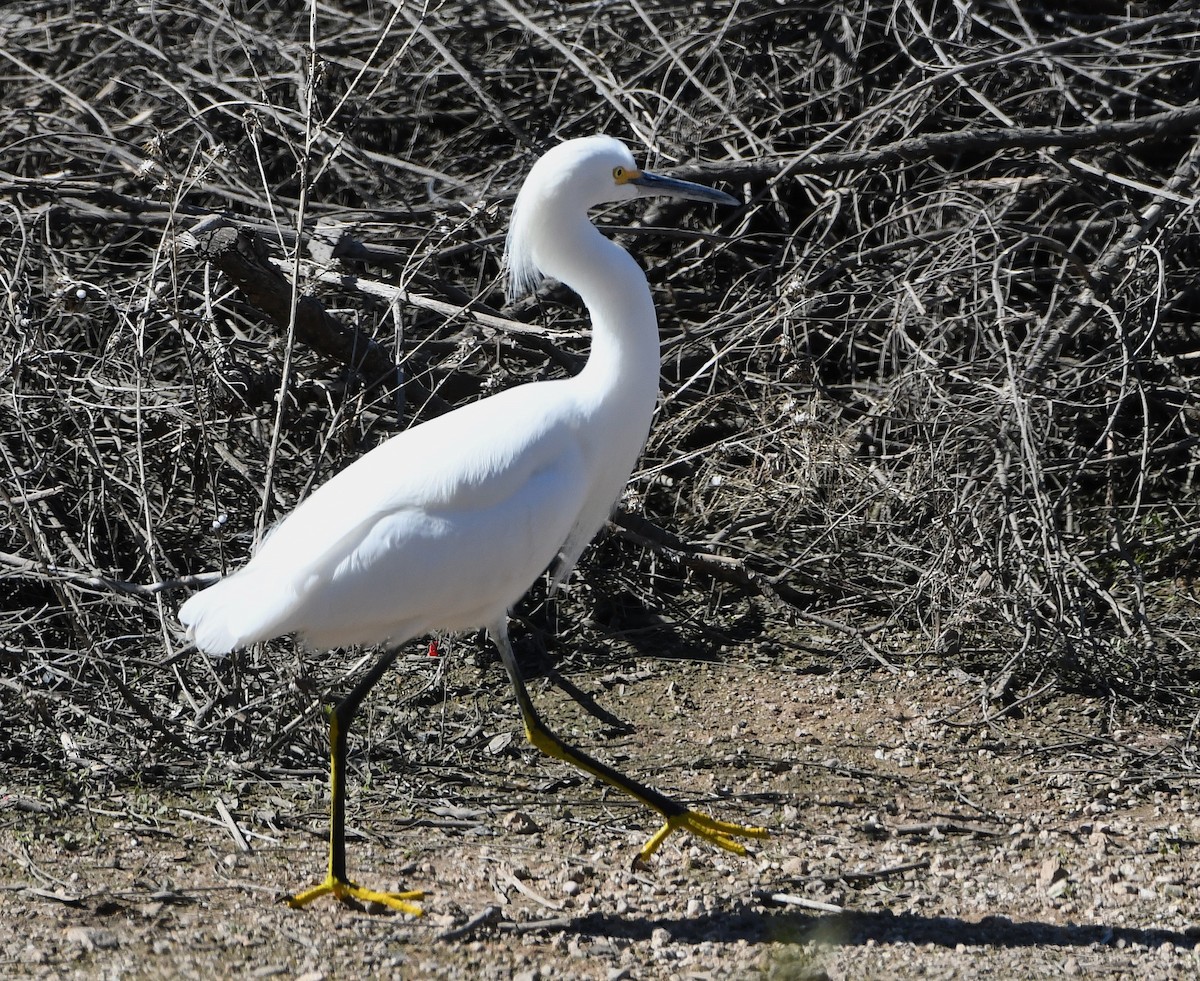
column 336, row 882
column 721, row 833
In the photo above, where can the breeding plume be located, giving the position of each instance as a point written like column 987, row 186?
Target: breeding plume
column 446, row 525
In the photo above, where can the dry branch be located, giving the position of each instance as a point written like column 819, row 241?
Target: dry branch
column 1104, row 273
column 241, row 256
column 1168, row 125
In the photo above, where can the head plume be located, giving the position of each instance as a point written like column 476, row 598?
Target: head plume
column 571, row 177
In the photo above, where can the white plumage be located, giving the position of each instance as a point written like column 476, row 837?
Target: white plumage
column 442, row 527
column 446, row 525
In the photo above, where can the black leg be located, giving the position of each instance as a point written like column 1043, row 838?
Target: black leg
column 336, row 880
column 721, row 833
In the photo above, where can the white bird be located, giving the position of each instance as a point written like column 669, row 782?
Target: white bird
column 447, row 524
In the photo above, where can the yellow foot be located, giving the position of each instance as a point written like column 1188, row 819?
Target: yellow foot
column 348, row 890
column 720, row 833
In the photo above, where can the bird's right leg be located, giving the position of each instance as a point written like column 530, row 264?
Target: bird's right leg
column 678, row 817
column 336, row 880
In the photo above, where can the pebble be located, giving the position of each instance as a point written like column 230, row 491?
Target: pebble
column 92, row 938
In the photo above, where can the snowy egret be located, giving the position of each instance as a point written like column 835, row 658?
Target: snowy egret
column 446, row 525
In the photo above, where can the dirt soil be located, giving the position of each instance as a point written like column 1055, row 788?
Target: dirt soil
column 909, row 840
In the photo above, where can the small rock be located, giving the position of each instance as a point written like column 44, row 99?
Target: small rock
column 520, row 823
column 1052, row 871
column 499, row 743
column 93, row 938
column 1057, row 888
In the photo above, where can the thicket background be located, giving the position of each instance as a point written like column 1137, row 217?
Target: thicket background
column 929, row 396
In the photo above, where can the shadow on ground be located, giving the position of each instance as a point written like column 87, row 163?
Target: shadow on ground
column 856, row 929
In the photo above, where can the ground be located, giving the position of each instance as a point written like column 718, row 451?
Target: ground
column 913, row 835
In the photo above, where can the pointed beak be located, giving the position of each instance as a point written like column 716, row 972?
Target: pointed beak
column 649, row 184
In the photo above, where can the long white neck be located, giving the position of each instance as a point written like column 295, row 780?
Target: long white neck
column 624, row 360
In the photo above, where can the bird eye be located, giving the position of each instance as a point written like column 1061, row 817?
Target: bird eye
column 619, row 174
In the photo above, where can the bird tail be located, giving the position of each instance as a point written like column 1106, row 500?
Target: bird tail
column 234, row 612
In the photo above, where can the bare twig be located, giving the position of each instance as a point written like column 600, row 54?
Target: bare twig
column 1158, row 126
column 242, row 257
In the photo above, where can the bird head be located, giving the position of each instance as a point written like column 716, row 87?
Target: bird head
column 570, row 179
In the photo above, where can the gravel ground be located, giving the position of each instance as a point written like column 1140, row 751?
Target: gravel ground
column 910, row 839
